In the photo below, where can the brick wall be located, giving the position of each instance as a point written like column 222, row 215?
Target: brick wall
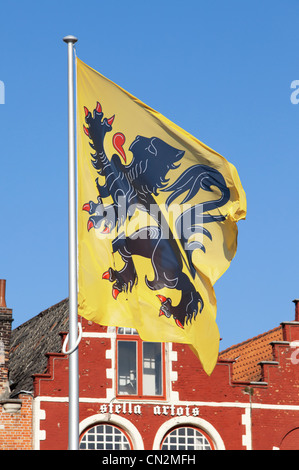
column 16, row 426
column 15, row 413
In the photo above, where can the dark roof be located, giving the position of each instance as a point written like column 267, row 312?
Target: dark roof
column 31, row 341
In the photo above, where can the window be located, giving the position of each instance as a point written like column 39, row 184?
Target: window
column 186, row 438
column 105, row 437
column 140, row 365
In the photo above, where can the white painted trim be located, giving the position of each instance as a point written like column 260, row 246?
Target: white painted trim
column 110, row 373
column 89, row 334
column 264, row 406
column 185, row 421
column 246, row 421
column 175, row 403
column 123, row 423
column 172, row 356
column 38, row 416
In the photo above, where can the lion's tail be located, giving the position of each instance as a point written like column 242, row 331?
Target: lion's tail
column 193, row 218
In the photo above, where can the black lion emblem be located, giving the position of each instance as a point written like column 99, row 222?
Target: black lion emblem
column 133, row 186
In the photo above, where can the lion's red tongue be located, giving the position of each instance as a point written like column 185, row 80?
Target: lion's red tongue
column 118, row 142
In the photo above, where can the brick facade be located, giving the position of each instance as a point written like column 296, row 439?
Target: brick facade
column 16, row 423
column 236, row 415
column 250, row 402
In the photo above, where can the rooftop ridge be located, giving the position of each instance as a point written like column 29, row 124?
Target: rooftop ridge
column 249, row 340
column 41, row 314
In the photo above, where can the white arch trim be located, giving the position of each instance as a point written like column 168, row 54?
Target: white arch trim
column 191, row 421
column 123, row 423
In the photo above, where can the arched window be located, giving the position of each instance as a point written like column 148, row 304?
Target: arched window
column 105, row 437
column 186, row 438
column 290, row 440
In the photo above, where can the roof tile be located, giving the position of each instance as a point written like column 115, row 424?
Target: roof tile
column 248, row 354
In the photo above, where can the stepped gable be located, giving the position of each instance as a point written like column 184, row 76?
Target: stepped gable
column 250, row 353
column 31, row 341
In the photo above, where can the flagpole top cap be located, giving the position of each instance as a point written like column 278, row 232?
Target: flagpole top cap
column 68, row 39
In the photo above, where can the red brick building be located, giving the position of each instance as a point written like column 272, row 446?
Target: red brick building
column 138, row 395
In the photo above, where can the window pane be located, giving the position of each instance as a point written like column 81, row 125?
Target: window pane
column 152, row 369
column 126, row 331
column 192, row 440
column 104, row 437
column 126, row 368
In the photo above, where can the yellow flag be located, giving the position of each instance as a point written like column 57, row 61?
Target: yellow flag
column 157, row 214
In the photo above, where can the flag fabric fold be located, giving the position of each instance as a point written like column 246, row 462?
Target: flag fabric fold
column 157, row 219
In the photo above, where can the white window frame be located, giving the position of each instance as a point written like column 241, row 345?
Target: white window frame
column 101, row 437
column 119, row 421
column 188, row 421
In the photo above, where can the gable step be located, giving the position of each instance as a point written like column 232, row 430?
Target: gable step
column 269, row 362
column 259, row 383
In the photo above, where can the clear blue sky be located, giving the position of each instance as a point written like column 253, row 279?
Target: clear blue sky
column 221, row 70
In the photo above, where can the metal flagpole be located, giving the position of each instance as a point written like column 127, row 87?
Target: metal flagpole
column 73, row 443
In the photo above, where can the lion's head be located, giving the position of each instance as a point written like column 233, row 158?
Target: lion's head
column 152, row 159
